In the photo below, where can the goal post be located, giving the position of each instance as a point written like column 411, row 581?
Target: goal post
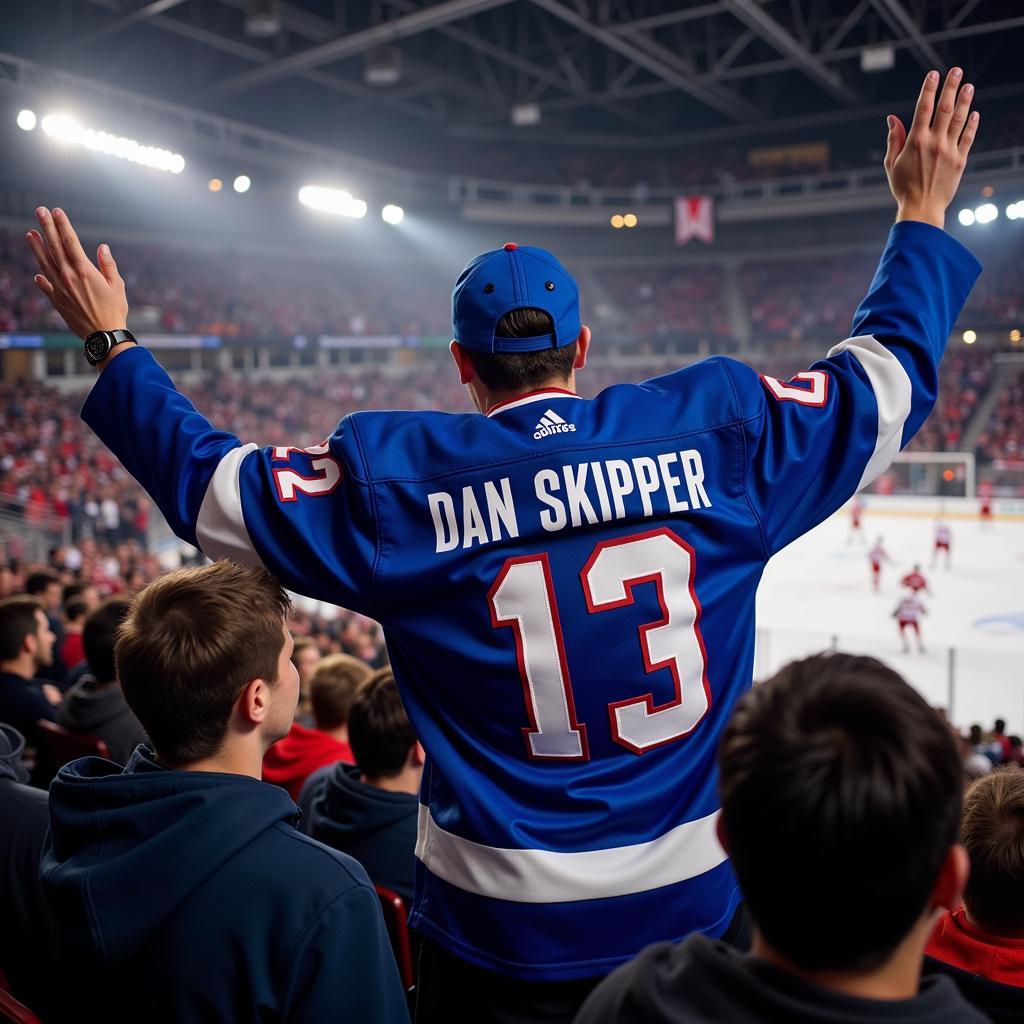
column 929, row 475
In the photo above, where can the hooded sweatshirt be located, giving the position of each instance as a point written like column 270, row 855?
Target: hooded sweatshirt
column 23, row 822
column 958, row 942
column 290, row 761
column 190, row 897
column 700, row 981
column 102, row 711
column 374, row 825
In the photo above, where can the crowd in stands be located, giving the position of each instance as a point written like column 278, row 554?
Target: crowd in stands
column 964, row 378
column 1003, row 435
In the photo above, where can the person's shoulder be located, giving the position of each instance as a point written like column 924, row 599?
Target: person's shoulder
column 726, row 383
column 309, row 863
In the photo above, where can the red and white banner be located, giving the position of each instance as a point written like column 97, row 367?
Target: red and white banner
column 694, row 219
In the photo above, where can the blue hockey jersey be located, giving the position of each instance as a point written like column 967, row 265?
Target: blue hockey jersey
column 567, row 590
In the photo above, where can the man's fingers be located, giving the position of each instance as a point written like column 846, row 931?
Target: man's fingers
column 947, row 101
column 963, row 108
column 925, row 103
column 72, row 246
column 107, row 265
column 38, row 247
column 44, row 286
column 55, row 248
column 970, row 130
column 896, row 140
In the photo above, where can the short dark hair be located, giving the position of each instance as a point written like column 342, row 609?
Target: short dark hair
column 520, row 371
column 74, row 608
column 841, row 792
column 1000, row 724
column 99, row 635
column 37, row 582
column 333, row 686
column 192, row 640
column 992, row 829
column 379, row 730
column 17, row 621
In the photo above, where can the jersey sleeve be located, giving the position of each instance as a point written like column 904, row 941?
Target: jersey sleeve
column 815, row 440
column 304, row 514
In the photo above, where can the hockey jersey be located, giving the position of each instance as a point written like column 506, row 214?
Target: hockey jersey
column 567, row 590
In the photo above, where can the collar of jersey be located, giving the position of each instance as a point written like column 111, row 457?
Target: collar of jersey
column 530, row 396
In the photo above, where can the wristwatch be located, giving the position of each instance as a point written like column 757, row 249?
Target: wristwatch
column 99, row 344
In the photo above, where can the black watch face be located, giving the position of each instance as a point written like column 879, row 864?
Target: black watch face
column 97, row 346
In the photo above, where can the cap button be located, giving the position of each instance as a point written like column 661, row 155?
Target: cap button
column 509, row 246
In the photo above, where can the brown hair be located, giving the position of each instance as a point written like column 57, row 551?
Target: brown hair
column 520, row 371
column 333, row 687
column 992, row 829
column 379, row 730
column 191, row 642
column 17, row 621
column 301, row 644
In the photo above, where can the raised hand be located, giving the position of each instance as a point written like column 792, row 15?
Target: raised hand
column 89, row 299
column 924, row 167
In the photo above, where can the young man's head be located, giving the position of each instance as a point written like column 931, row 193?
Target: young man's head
column 992, row 830
column 516, row 324
column 75, row 611
column 203, row 659
column 47, row 587
column 99, row 635
column 26, row 641
column 332, row 688
column 841, row 793
column 305, row 657
column 380, row 733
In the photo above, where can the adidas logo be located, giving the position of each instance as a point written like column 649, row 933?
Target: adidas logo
column 552, row 423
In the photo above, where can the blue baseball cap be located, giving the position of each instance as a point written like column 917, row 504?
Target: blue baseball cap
column 514, row 277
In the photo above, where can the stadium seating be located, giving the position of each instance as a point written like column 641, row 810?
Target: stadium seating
column 13, row 1011
column 397, row 921
column 62, row 745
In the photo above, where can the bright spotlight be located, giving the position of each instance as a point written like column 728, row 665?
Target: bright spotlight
column 66, row 129
column 618, row 220
column 970, row 337
column 629, row 220
column 966, row 217
column 242, row 183
column 393, row 214
column 1015, row 211
column 986, row 213
column 26, row 120
column 215, row 185
column 331, row 200
column 1015, row 336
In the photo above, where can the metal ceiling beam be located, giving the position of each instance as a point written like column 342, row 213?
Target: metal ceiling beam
column 670, row 18
column 413, row 24
column 670, row 70
column 141, row 13
column 776, row 36
column 899, row 18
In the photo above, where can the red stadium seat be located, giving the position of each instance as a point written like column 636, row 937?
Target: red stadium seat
column 15, row 1012
column 397, row 921
column 60, row 745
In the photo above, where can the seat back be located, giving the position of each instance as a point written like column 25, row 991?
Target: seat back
column 397, row 921
column 14, row 1012
column 61, row 745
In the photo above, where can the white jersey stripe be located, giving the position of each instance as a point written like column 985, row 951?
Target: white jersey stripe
column 893, row 391
column 547, row 876
column 220, row 528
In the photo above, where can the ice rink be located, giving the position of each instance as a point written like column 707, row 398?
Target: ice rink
column 817, row 593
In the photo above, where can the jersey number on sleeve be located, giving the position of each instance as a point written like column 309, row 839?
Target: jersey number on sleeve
column 815, row 396
column 523, row 599
column 288, row 481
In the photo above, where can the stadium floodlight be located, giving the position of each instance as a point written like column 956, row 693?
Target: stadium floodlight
column 66, row 129
column 629, row 220
column 970, row 337
column 986, row 213
column 331, row 200
column 215, row 184
column 392, row 214
column 242, row 183
column 26, row 120
column 1015, row 336
column 618, row 220
column 966, row 217
column 1015, row 211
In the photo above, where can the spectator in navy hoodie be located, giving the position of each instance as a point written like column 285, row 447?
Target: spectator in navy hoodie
column 369, row 810
column 179, row 888
column 840, row 809
column 23, row 919
column 26, row 647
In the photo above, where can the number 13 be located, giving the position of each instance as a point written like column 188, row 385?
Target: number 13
column 523, row 599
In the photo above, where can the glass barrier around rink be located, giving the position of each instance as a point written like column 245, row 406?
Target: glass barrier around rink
column 972, row 684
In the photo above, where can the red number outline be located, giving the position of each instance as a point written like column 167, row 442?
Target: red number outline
column 321, row 465
column 813, row 376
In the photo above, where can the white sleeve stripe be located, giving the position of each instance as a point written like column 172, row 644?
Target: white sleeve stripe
column 550, row 876
column 893, row 392
column 220, row 528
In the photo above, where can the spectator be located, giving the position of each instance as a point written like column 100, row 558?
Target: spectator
column 333, row 686
column 26, row 646
column 369, row 809
column 96, row 704
column 179, row 888
column 305, row 658
column 840, row 804
column 986, row 935
column 46, row 587
column 975, row 763
column 999, row 741
column 23, row 823
column 71, row 650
